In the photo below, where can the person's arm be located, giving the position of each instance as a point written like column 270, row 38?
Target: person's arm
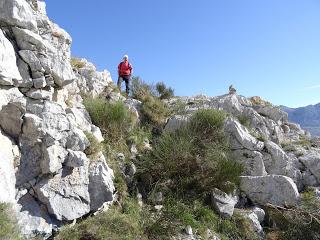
column 119, row 69
column 130, row 67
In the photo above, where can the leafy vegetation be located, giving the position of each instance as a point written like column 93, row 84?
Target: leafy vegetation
column 8, row 225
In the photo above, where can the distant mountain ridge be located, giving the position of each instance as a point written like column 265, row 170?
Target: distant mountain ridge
column 308, row 117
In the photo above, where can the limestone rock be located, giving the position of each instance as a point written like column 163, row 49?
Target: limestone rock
column 278, row 162
column 273, row 189
column 312, row 162
column 8, row 67
column 101, row 186
column 76, row 159
column 11, row 118
column 66, row 194
column 252, row 162
column 240, row 138
column 53, row 157
column 33, row 218
column 223, row 203
column 18, row 13
column 7, row 173
column 39, row 94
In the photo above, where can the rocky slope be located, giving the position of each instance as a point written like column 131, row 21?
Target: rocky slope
column 45, row 173
column 49, row 179
column 308, row 117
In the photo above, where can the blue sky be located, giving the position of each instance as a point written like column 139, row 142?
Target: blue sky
column 269, row 48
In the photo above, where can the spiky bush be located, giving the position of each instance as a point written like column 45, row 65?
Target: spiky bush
column 194, row 157
column 163, row 91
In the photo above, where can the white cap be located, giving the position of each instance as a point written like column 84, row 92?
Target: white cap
column 126, row 56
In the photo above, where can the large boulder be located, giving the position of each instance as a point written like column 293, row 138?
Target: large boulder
column 66, row 195
column 176, row 122
column 273, row 189
column 8, row 68
column 101, row 186
column 17, row 13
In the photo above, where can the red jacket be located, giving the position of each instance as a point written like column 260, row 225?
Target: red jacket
column 124, row 69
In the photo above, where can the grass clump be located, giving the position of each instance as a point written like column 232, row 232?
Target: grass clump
column 8, row 226
column 120, row 223
column 115, row 120
column 77, row 63
column 195, row 157
column 154, row 111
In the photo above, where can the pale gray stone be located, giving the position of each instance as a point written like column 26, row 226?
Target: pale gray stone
column 273, row 189
column 101, row 187
column 53, row 157
column 223, row 203
column 17, row 13
column 8, row 66
column 33, row 218
column 66, row 194
column 39, row 82
column 7, row 172
column 251, row 160
column 39, row 94
column 76, row 159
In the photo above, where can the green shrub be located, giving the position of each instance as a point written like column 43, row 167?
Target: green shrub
column 8, row 225
column 77, row 63
column 154, row 111
column 118, row 223
column 194, row 158
column 115, row 120
column 163, row 91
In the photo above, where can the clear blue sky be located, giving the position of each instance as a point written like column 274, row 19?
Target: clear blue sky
column 269, row 48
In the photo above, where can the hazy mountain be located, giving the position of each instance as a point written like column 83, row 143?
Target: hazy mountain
column 308, row 117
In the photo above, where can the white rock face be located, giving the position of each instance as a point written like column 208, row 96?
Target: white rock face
column 8, row 68
column 101, row 186
column 17, row 13
column 33, row 218
column 273, row 189
column 240, row 138
column 7, row 173
column 66, row 194
column 41, row 111
column 251, row 160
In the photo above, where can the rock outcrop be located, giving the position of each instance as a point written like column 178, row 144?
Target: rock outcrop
column 44, row 171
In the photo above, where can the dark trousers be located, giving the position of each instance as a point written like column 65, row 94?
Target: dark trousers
column 127, row 81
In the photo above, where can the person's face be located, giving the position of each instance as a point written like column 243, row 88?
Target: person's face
column 125, row 59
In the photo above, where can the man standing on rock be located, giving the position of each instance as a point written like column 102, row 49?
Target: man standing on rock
column 124, row 72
